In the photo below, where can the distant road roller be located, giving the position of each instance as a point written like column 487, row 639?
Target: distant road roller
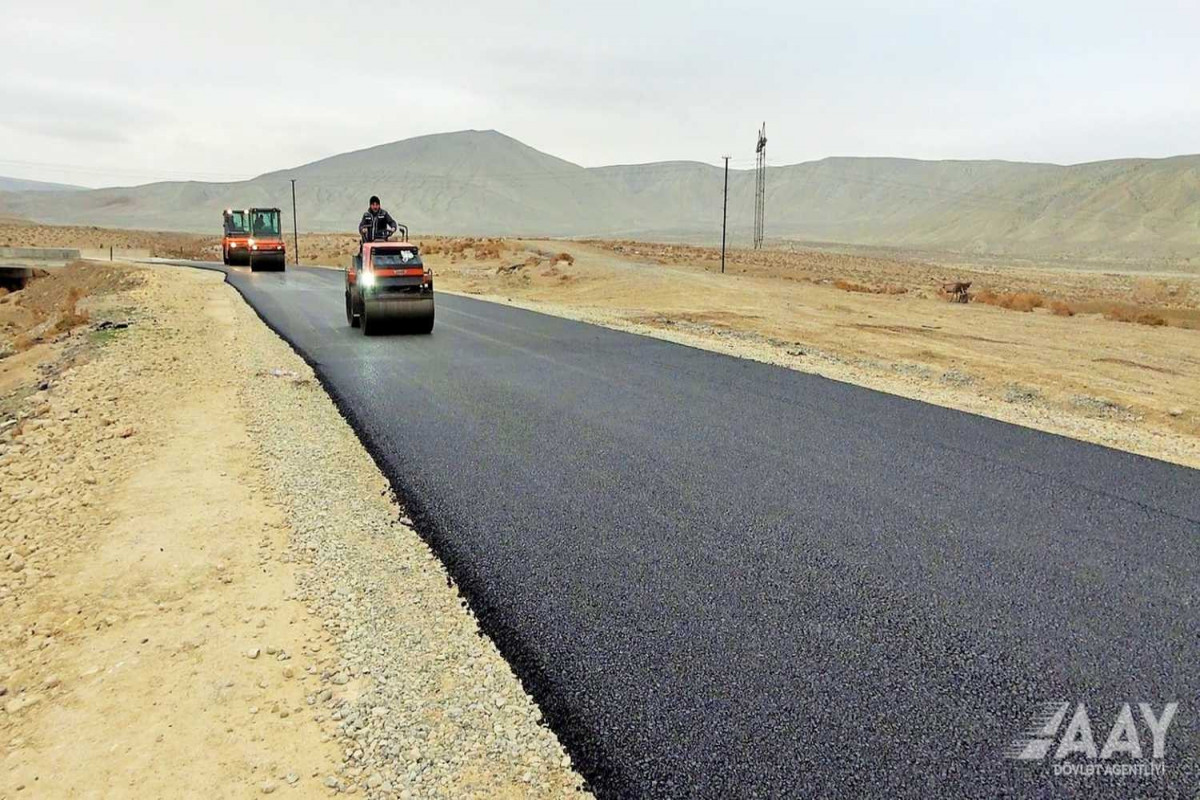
column 253, row 238
column 388, row 286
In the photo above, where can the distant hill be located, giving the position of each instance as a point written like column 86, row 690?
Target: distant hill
column 22, row 185
column 486, row 183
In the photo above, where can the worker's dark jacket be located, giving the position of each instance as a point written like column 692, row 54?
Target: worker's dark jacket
column 368, row 227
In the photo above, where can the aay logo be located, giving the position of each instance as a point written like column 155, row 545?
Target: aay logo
column 1123, row 752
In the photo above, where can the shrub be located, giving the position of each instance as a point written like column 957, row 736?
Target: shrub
column 1133, row 314
column 487, row 251
column 69, row 315
column 850, row 286
column 1013, row 301
column 1061, row 309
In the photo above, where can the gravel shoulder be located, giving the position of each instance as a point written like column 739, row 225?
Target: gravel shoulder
column 197, row 556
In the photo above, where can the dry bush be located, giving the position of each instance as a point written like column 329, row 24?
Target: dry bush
column 567, row 257
column 1139, row 316
column 69, row 314
column 1025, row 301
column 1061, row 309
column 851, row 286
column 1013, row 301
column 487, row 251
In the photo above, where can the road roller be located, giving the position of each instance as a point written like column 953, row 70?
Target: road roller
column 253, row 238
column 388, row 287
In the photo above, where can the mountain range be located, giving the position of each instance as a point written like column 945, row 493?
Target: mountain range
column 23, row 185
column 486, row 183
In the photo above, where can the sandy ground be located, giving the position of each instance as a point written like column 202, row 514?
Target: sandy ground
column 162, row 244
column 1167, row 287
column 175, row 621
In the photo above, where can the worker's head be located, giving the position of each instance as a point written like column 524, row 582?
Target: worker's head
column 374, row 203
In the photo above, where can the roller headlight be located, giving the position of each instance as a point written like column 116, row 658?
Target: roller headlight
column 368, row 279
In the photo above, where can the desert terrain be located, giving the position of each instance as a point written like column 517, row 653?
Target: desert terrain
column 1106, row 355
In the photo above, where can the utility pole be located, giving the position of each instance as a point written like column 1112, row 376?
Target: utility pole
column 724, row 214
column 760, row 186
column 295, row 230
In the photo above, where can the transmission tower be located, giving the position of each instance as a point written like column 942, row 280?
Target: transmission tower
column 760, row 187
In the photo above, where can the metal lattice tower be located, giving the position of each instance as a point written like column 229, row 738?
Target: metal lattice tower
column 760, row 187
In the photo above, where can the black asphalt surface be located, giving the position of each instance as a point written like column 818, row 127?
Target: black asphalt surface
column 725, row 579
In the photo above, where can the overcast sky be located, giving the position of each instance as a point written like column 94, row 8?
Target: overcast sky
column 114, row 92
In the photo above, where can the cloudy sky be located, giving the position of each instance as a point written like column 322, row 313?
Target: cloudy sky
column 124, row 93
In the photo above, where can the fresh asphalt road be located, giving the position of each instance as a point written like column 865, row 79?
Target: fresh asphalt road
column 725, row 579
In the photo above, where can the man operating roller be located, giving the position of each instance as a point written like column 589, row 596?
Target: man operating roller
column 376, row 223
